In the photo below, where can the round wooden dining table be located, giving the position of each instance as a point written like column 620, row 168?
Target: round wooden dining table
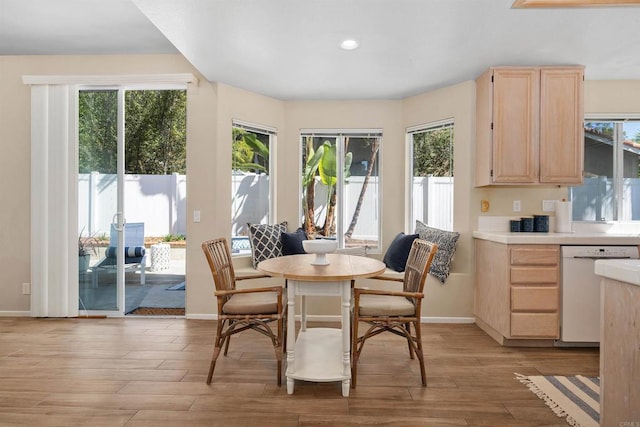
column 319, row 354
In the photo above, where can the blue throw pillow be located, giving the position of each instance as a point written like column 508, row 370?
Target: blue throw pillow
column 292, row 242
column 398, row 252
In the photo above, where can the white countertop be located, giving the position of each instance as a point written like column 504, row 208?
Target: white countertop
column 623, row 270
column 558, row 238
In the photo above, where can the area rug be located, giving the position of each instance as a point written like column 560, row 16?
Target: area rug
column 576, row 398
column 179, row 287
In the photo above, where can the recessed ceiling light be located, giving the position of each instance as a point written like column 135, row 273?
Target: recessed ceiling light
column 349, row 44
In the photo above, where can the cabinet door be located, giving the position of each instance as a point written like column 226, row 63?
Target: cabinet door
column 561, row 125
column 516, row 93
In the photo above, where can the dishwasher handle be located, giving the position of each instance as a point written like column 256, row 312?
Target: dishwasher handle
column 601, row 257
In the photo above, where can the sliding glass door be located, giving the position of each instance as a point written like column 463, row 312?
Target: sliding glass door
column 100, row 199
column 131, row 188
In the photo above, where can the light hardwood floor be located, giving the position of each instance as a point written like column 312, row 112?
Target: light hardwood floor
column 151, row 372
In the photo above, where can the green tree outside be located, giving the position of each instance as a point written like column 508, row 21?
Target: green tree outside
column 433, row 153
column 155, row 131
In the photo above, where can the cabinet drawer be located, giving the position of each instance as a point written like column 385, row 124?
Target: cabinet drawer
column 524, row 275
column 534, row 299
column 535, row 256
column 534, row 325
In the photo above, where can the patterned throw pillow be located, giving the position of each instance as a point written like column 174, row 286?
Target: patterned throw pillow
column 446, row 241
column 265, row 241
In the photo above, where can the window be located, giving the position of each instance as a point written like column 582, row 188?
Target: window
column 611, row 188
column 341, row 186
column 251, row 186
column 431, row 189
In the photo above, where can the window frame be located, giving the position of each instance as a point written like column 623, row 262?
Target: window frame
column 409, row 132
column 617, row 165
column 339, row 135
column 272, row 133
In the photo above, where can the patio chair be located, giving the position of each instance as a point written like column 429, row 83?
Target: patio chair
column 242, row 309
column 135, row 257
column 394, row 311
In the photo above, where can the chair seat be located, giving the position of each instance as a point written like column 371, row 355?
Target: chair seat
column 252, row 303
column 385, row 305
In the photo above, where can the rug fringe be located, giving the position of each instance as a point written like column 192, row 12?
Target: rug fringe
column 547, row 400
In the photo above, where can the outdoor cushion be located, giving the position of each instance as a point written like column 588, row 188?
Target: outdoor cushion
column 385, row 305
column 251, row 303
column 129, row 252
column 265, row 241
column 396, row 256
column 446, row 241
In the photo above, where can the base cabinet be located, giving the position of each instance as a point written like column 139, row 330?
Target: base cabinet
column 517, row 291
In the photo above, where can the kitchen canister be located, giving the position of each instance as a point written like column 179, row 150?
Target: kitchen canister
column 515, row 225
column 526, row 224
column 541, row 223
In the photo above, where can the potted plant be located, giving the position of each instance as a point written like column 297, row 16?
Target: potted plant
column 86, row 247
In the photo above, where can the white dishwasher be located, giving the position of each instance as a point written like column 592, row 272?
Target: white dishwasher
column 580, row 305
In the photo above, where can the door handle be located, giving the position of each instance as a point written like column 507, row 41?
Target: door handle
column 118, row 221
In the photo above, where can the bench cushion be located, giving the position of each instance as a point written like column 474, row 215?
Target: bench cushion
column 251, row 303
column 385, row 305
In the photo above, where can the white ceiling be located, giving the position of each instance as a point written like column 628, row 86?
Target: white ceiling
column 288, row 49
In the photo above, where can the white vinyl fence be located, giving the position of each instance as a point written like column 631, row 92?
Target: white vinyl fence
column 160, row 202
column 432, row 203
column 250, row 204
column 593, row 201
column 157, row 200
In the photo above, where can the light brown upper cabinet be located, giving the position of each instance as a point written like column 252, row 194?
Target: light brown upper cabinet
column 529, row 126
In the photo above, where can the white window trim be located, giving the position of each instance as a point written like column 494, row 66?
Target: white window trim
column 617, row 158
column 341, row 132
column 142, row 80
column 273, row 144
column 409, row 132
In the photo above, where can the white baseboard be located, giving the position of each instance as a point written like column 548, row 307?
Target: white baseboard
column 336, row 318
column 15, row 313
column 201, row 316
column 470, row 320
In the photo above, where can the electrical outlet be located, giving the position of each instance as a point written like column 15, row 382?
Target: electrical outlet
column 517, row 206
column 26, row 288
column 196, row 216
column 548, row 206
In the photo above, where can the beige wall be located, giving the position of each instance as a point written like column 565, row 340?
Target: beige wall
column 209, row 180
column 455, row 297
column 211, row 107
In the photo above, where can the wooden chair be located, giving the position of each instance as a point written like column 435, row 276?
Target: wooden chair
column 394, row 311
column 242, row 309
